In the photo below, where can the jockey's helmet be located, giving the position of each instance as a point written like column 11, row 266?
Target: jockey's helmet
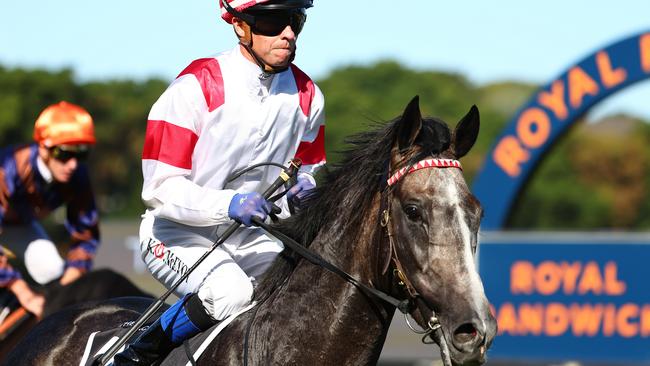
column 230, row 8
column 64, row 123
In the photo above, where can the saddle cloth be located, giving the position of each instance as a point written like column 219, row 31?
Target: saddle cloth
column 100, row 341
column 11, row 315
column 8, row 303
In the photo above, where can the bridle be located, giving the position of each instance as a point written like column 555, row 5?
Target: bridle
column 423, row 164
column 434, row 332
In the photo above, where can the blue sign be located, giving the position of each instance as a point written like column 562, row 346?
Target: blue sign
column 582, row 298
column 548, row 115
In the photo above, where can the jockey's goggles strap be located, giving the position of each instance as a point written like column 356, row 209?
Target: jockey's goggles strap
column 422, row 164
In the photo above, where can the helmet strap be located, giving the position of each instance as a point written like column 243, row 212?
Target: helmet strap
column 267, row 70
column 247, row 37
column 247, row 42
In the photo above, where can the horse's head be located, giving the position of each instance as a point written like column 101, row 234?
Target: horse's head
column 434, row 224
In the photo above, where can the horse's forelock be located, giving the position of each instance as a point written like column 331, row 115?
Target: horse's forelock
column 434, row 139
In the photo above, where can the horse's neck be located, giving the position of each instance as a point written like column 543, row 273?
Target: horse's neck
column 316, row 317
column 355, row 250
column 350, row 326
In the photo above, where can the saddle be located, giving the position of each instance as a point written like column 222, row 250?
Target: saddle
column 100, row 341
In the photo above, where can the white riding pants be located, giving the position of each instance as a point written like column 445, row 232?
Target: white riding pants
column 34, row 248
column 225, row 280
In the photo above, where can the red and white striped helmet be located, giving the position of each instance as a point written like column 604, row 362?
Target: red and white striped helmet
column 242, row 5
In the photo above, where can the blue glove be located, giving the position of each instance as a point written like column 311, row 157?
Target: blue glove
column 244, row 206
column 300, row 191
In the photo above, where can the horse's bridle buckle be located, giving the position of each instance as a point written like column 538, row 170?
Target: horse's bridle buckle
column 384, row 218
column 400, row 276
column 433, row 323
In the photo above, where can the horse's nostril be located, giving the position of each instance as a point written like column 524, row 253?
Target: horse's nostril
column 466, row 333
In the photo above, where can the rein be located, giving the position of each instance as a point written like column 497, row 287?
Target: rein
column 403, row 305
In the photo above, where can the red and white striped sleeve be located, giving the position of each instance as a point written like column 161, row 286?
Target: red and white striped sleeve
column 172, row 132
column 312, row 145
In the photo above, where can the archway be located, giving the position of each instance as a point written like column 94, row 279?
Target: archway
column 547, row 116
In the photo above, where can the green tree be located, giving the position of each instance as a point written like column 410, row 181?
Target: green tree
column 596, row 177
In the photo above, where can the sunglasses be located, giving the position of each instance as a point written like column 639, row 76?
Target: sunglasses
column 64, row 153
column 273, row 22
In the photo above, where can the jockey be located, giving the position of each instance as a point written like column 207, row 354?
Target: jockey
column 242, row 107
column 35, row 179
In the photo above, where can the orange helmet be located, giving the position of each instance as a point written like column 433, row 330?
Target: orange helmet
column 64, row 123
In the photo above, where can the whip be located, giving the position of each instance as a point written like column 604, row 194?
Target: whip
column 285, row 175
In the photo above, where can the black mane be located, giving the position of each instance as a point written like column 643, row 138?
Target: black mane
column 351, row 183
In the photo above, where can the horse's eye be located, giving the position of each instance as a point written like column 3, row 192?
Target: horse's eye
column 412, row 212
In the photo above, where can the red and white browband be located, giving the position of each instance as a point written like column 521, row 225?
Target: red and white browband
column 422, row 164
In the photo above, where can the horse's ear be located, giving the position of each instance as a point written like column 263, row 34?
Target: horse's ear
column 410, row 124
column 466, row 132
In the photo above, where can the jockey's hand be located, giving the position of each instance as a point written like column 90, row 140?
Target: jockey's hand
column 70, row 275
column 35, row 305
column 30, row 300
column 300, row 191
column 243, row 206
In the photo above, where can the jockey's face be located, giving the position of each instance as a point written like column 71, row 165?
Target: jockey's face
column 62, row 162
column 276, row 51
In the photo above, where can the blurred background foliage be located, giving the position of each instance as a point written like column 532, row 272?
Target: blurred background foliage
column 595, row 178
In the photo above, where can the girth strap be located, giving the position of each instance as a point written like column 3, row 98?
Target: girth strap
column 188, row 353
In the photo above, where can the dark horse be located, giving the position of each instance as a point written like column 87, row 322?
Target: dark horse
column 101, row 284
column 306, row 315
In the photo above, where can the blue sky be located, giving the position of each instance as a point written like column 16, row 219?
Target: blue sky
column 486, row 41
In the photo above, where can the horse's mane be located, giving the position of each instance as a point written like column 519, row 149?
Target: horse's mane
column 353, row 182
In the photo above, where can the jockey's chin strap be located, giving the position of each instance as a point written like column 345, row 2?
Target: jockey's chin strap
column 267, row 70
column 246, row 41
